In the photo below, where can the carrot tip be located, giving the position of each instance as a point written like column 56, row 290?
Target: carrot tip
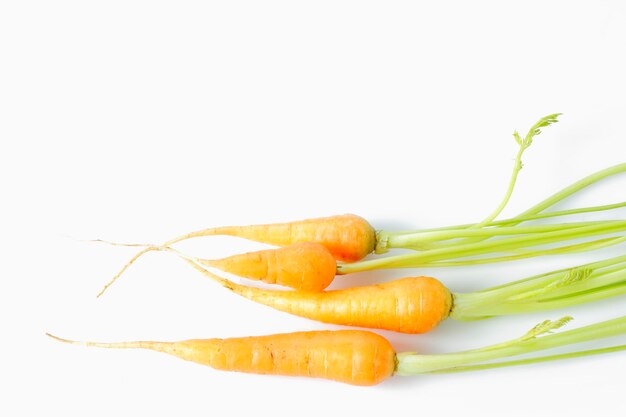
column 109, row 242
column 146, row 249
column 60, row 339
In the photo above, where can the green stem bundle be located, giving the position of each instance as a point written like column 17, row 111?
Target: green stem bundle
column 463, row 244
column 553, row 290
column 536, row 339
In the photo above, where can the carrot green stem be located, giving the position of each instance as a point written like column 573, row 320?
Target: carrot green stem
column 388, row 240
column 517, row 219
column 529, row 361
column 424, row 258
column 523, row 254
column 410, row 363
column 553, row 290
column 405, row 241
column 517, row 165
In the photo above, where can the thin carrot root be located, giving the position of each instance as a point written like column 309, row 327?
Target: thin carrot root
column 128, row 245
column 125, row 267
column 354, row 357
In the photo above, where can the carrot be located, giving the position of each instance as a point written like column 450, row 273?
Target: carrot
column 360, row 357
column 348, row 237
column 303, row 266
column 408, row 305
column 418, row 304
column 350, row 356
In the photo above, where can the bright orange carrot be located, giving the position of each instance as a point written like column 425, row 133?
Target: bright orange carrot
column 352, row 356
column 303, row 266
column 363, row 358
column 348, row 237
column 408, row 305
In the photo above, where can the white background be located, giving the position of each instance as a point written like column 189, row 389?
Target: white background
column 142, row 120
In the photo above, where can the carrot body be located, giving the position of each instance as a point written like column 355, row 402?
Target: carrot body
column 348, row 237
column 408, row 305
column 304, row 266
column 352, row 356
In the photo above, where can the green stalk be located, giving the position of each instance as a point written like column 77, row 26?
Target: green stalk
column 410, row 363
column 603, row 279
column 574, row 188
column 420, row 259
column 517, row 219
column 405, row 241
column 529, row 361
column 531, row 214
column 553, row 290
column 582, row 298
column 516, row 286
column 517, row 164
column 523, row 254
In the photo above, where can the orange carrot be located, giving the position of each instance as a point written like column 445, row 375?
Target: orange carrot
column 408, row 305
column 303, row 266
column 418, row 304
column 352, row 356
column 348, row 237
column 363, row 358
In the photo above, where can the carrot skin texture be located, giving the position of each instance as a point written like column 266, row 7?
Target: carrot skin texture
column 408, row 305
column 354, row 357
column 303, row 266
column 348, row 237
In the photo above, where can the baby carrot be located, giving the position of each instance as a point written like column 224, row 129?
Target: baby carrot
column 351, row 356
column 303, row 266
column 418, row 304
column 408, row 305
column 347, row 237
column 360, row 357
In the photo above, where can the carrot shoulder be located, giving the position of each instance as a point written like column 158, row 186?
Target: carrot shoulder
column 351, row 356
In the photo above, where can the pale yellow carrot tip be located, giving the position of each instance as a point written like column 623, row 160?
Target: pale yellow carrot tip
column 108, row 242
column 147, row 248
column 60, row 339
column 192, row 260
column 125, row 267
column 114, row 345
